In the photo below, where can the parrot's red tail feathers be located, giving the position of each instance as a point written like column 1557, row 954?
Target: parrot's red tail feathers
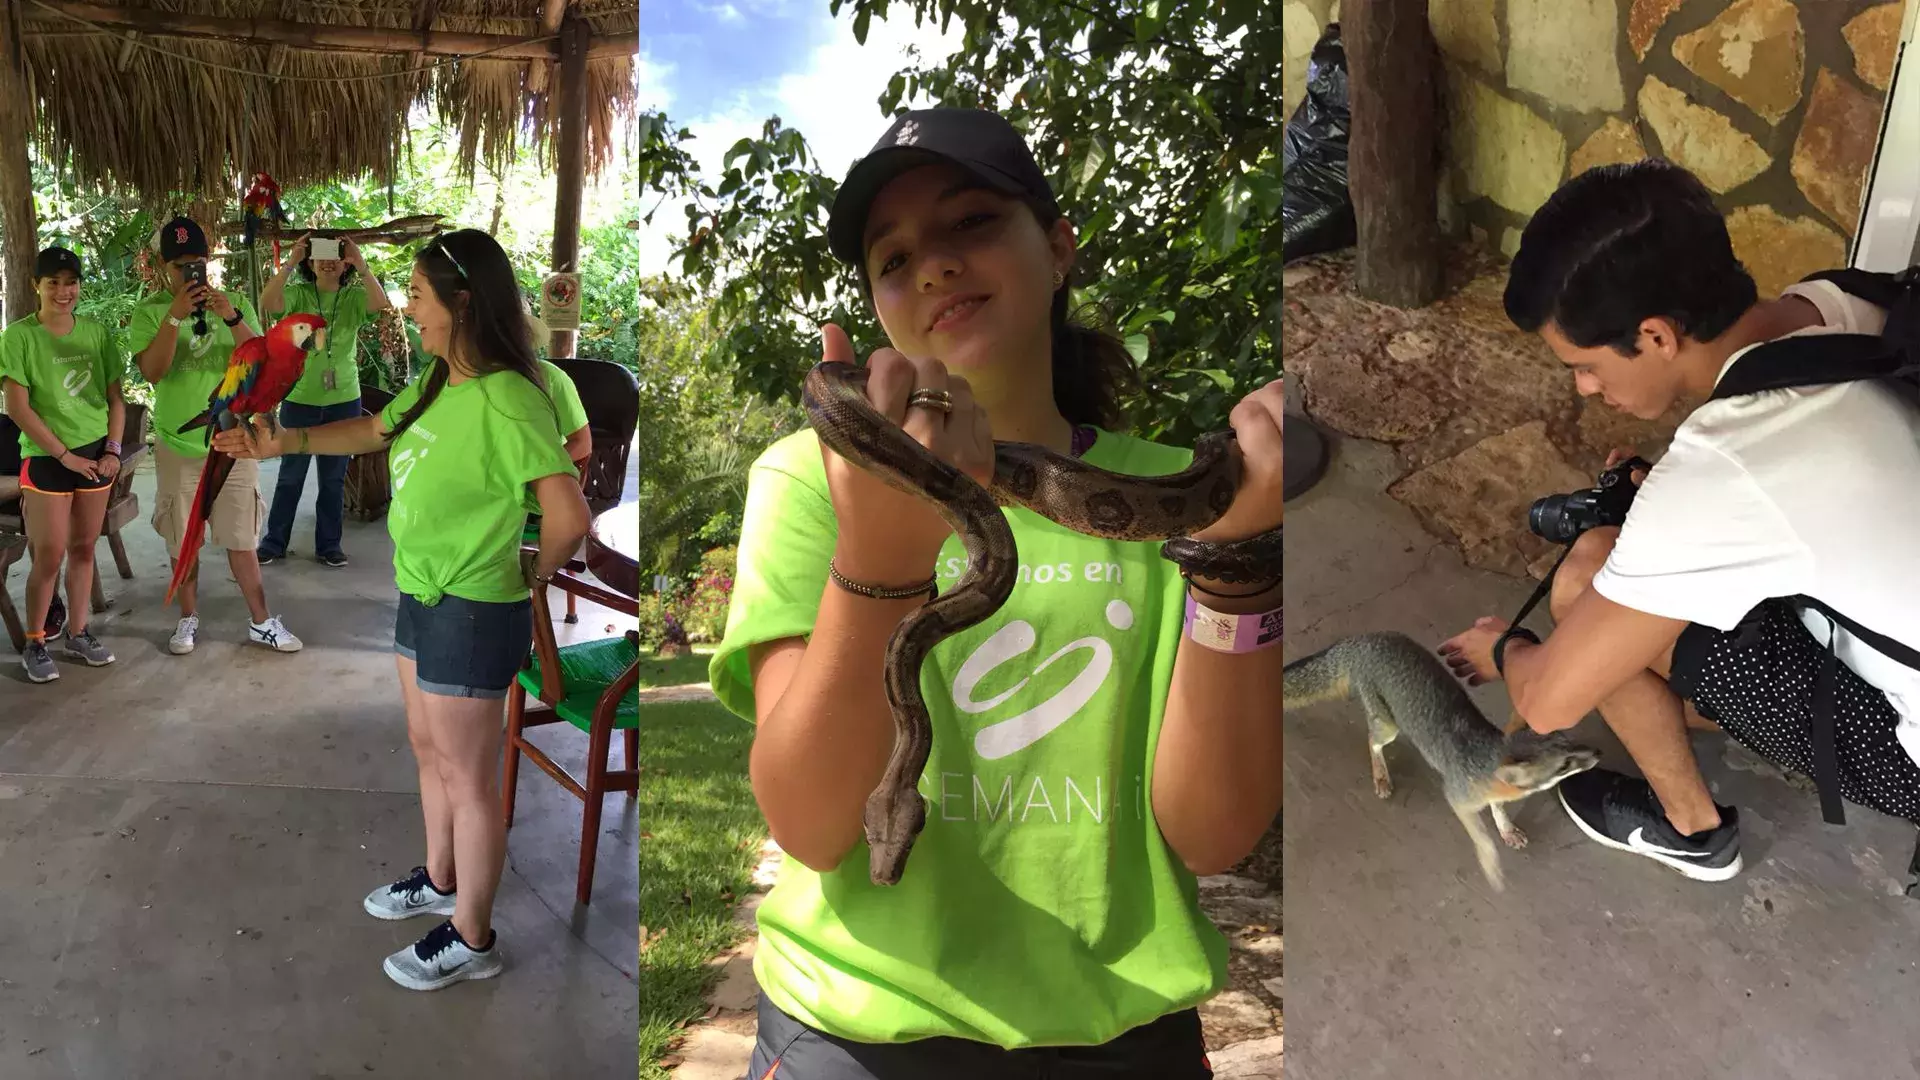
column 213, row 475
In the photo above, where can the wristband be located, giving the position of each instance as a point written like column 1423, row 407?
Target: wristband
column 930, row 587
column 1226, row 633
column 113, row 448
column 1500, row 646
column 235, row 321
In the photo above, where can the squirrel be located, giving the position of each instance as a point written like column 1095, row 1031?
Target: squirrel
column 1405, row 689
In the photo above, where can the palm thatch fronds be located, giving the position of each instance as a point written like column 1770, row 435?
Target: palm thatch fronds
column 154, row 115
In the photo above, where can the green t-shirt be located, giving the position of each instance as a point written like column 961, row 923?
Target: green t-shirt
column 566, row 399
column 460, row 486
column 198, row 364
column 1040, row 906
column 66, row 378
column 345, row 312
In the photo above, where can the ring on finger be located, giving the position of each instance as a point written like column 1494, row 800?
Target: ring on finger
column 932, row 399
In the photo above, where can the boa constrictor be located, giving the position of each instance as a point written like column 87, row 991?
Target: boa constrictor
column 1062, row 489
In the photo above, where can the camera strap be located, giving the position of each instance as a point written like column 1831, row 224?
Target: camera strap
column 1514, row 629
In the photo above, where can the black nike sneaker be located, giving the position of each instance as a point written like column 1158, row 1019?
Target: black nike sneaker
column 1623, row 812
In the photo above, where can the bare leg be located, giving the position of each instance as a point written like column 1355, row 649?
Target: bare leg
column 433, row 793
column 246, row 571
column 1483, row 848
column 468, row 739
column 89, row 512
column 49, row 525
column 1645, row 714
column 188, row 596
column 1509, row 832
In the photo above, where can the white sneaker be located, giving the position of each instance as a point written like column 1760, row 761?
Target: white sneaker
column 181, row 643
column 273, row 634
column 443, row 958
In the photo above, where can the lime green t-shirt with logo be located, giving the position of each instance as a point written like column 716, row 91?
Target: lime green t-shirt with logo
column 66, row 377
column 198, row 364
column 461, row 476
column 1040, row 905
column 345, row 311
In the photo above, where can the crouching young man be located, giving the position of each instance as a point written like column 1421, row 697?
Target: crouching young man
column 1678, row 615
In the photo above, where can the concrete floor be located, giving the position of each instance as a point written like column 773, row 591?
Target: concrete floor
column 185, row 842
column 1593, row 964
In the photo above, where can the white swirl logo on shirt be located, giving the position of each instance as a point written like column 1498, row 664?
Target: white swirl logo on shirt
column 1015, row 639
column 403, row 464
column 77, row 380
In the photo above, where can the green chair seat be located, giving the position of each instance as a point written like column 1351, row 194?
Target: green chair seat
column 587, row 669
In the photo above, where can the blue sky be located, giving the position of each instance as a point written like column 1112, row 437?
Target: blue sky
column 721, row 68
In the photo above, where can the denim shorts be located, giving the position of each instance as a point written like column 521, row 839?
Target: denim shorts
column 464, row 648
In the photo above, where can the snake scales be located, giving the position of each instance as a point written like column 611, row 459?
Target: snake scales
column 1062, row 489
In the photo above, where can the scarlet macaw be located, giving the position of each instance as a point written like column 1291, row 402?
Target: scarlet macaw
column 260, row 373
column 262, row 201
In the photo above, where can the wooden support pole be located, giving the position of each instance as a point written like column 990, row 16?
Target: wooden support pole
column 312, row 36
column 571, row 148
column 17, row 227
column 1391, row 172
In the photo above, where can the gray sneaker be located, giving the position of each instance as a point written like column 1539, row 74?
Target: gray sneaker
column 411, row 895
column 443, row 958
column 39, row 665
column 87, row 648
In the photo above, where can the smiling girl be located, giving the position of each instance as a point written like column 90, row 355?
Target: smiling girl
column 62, row 375
column 1090, row 756
column 474, row 445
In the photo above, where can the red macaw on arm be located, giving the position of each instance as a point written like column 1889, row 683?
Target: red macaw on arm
column 260, row 373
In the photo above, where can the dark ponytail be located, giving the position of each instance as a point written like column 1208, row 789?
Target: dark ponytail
column 491, row 317
column 1091, row 366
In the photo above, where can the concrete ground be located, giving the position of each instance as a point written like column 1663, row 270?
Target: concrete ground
column 185, row 842
column 1593, row 964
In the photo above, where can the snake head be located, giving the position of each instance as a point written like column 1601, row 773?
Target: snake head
column 892, row 824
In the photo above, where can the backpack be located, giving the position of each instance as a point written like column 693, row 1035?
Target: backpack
column 1825, row 360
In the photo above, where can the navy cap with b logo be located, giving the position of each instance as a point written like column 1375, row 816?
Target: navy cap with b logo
column 981, row 142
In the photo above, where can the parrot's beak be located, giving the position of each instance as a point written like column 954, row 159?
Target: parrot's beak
column 319, row 341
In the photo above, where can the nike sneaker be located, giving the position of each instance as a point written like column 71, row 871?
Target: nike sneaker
column 1622, row 812
column 443, row 958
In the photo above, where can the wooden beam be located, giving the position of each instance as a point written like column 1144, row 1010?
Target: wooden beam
column 551, row 16
column 1391, row 173
column 17, row 226
column 540, row 72
column 326, row 38
column 571, row 150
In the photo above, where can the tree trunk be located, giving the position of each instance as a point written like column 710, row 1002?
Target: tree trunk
column 1390, row 155
column 17, row 241
column 572, row 155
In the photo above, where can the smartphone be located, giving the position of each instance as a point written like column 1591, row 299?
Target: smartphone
column 324, row 249
column 194, row 273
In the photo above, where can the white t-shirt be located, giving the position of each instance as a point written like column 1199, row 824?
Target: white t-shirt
column 1810, row 492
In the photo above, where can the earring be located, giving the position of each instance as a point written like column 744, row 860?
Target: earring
column 1059, row 279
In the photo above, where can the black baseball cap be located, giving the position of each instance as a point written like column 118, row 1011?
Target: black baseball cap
column 53, row 260
column 182, row 236
column 981, row 142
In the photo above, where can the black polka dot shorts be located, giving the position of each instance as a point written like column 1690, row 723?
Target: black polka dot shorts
column 1757, row 682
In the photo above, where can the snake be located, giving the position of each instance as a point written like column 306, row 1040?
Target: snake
column 1065, row 490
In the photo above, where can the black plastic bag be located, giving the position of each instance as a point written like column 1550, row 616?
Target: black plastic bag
column 1316, row 213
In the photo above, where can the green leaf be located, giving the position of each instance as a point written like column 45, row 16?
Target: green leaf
column 1147, row 24
column 860, row 26
column 1090, row 165
column 1137, row 347
column 738, row 150
column 1220, row 378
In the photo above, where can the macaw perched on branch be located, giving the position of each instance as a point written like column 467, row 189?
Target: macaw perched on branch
column 261, row 372
column 261, row 202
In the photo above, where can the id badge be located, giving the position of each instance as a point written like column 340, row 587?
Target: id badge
column 330, row 380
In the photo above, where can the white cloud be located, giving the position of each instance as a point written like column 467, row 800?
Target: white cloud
column 833, row 100
column 650, row 83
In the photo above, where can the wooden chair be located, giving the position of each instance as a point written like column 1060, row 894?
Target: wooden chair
column 591, row 685
column 369, row 484
column 123, row 506
column 611, row 396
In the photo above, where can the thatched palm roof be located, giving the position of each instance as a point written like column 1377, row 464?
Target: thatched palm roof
column 155, row 114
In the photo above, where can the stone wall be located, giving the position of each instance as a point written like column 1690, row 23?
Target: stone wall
column 1775, row 105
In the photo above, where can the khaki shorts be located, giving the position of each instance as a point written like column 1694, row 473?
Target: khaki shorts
column 238, row 512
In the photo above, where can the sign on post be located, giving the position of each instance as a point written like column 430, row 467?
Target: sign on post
column 560, row 301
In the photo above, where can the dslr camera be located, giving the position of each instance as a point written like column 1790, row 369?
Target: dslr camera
column 1562, row 518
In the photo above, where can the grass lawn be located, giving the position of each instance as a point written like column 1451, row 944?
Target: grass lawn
column 679, row 671
column 701, row 836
